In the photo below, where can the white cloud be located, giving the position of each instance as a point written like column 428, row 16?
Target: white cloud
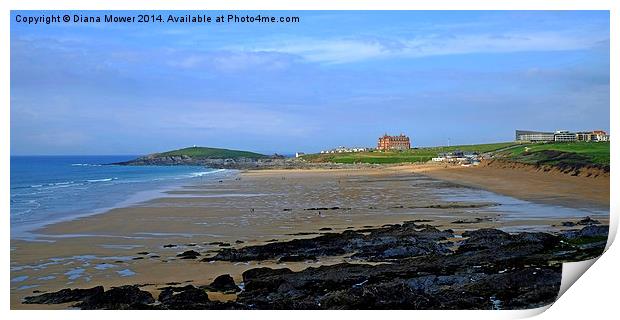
column 233, row 61
column 333, row 51
column 239, row 61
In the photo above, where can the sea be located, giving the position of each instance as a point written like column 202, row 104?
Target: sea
column 50, row 189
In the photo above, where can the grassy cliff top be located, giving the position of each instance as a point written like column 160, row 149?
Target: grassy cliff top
column 411, row 155
column 580, row 153
column 212, row 153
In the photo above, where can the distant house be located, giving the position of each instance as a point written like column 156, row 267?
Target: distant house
column 342, row 149
column 458, row 156
column 299, row 154
column 599, row 135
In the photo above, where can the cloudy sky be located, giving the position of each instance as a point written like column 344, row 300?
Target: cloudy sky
column 335, row 78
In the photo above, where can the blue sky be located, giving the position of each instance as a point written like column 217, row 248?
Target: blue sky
column 335, row 78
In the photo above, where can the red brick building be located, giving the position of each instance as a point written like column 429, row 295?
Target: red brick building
column 400, row 142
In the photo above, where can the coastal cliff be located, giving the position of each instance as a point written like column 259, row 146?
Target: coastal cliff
column 228, row 159
column 202, row 156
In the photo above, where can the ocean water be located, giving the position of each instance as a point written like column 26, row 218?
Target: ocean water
column 48, row 189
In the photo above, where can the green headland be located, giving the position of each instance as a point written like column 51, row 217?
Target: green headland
column 212, row 153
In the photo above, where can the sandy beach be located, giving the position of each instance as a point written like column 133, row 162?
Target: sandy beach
column 529, row 184
column 140, row 244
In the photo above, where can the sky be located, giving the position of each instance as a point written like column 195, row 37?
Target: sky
column 335, row 78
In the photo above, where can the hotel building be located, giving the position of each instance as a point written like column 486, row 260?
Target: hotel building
column 400, row 142
column 533, row 136
column 560, row 136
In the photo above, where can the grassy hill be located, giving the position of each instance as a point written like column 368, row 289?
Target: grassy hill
column 212, row 153
column 576, row 154
column 408, row 156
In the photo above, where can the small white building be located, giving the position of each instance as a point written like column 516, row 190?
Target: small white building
column 342, row 149
column 299, row 154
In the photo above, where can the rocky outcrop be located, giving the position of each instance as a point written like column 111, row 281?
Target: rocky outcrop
column 218, row 163
column 64, row 296
column 241, row 163
column 583, row 222
column 593, row 231
column 190, row 254
column 118, row 298
column 184, row 298
column 224, row 283
column 488, row 269
column 491, row 269
column 388, row 243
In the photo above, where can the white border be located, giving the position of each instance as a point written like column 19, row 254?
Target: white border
column 592, row 296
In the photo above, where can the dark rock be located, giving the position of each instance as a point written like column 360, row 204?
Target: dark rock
column 184, row 298
column 257, row 273
column 239, row 242
column 325, row 208
column 387, row 243
column 588, row 221
column 487, row 245
column 170, row 245
column 302, row 233
column 296, row 258
column 190, row 254
column 325, row 229
column 118, row 298
column 143, row 253
column 191, row 298
column 458, row 205
column 521, row 289
column 476, row 220
column 450, row 281
column 589, row 231
column 224, row 283
column 490, row 269
column 63, row 296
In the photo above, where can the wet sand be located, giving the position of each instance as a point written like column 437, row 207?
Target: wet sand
column 528, row 184
column 129, row 245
